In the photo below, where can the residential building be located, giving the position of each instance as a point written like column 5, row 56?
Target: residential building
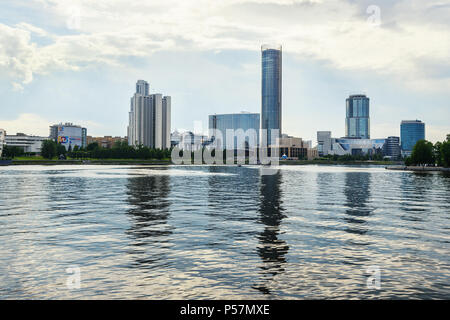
column 411, row 131
column 247, row 122
column 271, row 92
column 149, row 118
column 69, row 135
column 357, row 122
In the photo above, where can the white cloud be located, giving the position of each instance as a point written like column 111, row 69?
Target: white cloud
column 334, row 31
column 27, row 123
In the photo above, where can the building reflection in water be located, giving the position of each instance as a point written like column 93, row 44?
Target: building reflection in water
column 149, row 212
column 357, row 193
column 272, row 249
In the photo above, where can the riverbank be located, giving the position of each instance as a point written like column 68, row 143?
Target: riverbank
column 418, row 169
column 95, row 162
column 31, row 161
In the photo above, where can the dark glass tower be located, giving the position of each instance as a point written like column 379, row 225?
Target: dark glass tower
column 271, row 90
column 357, row 122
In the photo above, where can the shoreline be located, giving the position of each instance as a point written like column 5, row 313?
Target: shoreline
column 168, row 162
column 418, row 169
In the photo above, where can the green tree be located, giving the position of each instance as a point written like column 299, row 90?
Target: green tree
column 92, row 146
column 422, row 153
column 408, row 161
column 60, row 149
column 49, row 149
column 437, row 150
column 445, row 153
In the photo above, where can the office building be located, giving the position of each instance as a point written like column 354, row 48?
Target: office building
column 411, row 131
column 296, row 148
column 149, row 118
column 29, row 144
column 69, row 135
column 235, row 121
column 357, row 122
column 392, row 147
column 323, row 142
column 271, row 92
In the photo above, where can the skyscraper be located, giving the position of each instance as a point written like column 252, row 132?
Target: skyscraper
column 271, row 91
column 357, row 122
column 411, row 131
column 149, row 118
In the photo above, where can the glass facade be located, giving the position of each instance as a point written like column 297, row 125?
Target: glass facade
column 235, row 121
column 271, row 91
column 410, row 133
column 357, row 122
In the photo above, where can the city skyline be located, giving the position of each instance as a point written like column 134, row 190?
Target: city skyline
column 49, row 74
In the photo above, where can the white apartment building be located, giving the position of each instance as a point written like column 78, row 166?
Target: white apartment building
column 2, row 140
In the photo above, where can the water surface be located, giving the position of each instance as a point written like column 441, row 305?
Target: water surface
column 202, row 232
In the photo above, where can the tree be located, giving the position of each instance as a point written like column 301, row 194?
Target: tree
column 60, row 149
column 408, row 161
column 445, row 153
column 437, row 150
column 92, row 146
column 422, row 153
column 48, row 149
column 12, row 152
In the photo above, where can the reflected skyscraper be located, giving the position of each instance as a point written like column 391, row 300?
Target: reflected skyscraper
column 272, row 249
column 357, row 122
column 271, row 90
column 149, row 213
column 357, row 192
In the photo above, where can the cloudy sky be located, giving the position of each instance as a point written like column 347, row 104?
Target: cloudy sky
column 78, row 61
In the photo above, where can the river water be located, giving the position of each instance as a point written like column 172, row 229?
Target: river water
column 199, row 232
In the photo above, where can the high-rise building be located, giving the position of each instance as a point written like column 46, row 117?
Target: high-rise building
column 357, row 122
column 271, row 91
column 411, row 131
column 235, row 121
column 149, row 118
column 392, row 147
column 69, row 135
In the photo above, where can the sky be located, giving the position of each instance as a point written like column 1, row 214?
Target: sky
column 78, row 61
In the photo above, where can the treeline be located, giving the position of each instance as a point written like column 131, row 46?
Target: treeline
column 426, row 154
column 120, row 150
column 349, row 158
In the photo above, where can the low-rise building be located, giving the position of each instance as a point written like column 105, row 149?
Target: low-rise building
column 29, row 144
column 107, row 141
column 296, row 148
column 2, row 140
column 327, row 145
column 188, row 140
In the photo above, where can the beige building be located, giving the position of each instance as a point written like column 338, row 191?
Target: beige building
column 296, row 148
column 106, row 141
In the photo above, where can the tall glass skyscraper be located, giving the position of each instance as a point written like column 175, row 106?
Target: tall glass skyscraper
column 411, row 131
column 271, row 90
column 357, row 122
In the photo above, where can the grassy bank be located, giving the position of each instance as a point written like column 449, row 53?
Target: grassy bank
column 41, row 161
